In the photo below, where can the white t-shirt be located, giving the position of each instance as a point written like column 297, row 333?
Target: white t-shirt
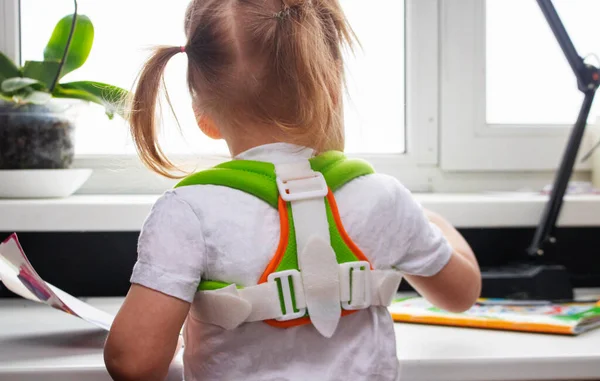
column 217, row 233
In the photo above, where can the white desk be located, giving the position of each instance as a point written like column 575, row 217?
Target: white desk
column 37, row 342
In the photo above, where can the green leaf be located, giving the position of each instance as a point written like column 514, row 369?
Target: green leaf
column 44, row 72
column 7, row 68
column 61, row 92
column 111, row 97
column 5, row 98
column 81, row 45
column 12, row 85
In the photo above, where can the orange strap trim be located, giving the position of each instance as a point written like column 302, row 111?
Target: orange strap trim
column 284, row 236
column 338, row 221
column 298, row 322
column 283, row 242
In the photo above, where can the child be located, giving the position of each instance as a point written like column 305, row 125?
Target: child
column 281, row 262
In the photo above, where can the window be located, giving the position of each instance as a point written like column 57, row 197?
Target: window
column 509, row 97
column 528, row 79
column 374, row 112
column 437, row 96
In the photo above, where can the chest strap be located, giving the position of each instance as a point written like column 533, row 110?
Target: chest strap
column 230, row 307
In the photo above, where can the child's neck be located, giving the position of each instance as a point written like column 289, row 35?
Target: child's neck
column 237, row 146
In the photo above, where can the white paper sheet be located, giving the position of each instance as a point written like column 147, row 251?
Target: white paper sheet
column 19, row 276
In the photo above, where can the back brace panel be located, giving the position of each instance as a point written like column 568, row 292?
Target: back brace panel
column 285, row 296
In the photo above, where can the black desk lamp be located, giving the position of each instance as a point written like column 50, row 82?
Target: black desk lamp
column 538, row 280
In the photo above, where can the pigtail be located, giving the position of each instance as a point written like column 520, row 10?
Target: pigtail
column 143, row 115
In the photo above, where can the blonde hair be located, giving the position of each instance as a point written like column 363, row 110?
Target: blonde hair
column 271, row 63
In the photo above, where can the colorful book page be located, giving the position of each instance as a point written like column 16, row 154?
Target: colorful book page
column 566, row 319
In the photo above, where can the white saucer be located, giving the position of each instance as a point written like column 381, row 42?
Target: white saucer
column 41, row 183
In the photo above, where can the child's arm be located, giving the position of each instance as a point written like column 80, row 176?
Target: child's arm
column 144, row 336
column 171, row 259
column 456, row 240
column 458, row 285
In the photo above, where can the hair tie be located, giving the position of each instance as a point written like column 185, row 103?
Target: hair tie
column 283, row 14
column 286, row 12
column 182, row 49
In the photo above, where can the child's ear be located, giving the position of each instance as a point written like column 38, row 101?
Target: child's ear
column 207, row 124
column 208, row 127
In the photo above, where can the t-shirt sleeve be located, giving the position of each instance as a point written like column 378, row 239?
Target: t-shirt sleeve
column 171, row 249
column 422, row 248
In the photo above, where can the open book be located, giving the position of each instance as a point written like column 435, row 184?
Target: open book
column 19, row 276
column 565, row 319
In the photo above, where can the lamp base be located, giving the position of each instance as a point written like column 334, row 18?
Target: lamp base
column 527, row 282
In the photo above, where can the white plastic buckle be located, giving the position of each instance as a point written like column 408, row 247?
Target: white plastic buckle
column 355, row 285
column 303, row 189
column 287, row 280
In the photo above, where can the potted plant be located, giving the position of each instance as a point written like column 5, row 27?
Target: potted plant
column 36, row 130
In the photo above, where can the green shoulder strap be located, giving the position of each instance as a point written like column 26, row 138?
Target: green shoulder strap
column 258, row 178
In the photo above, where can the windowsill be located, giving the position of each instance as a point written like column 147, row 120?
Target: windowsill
column 127, row 212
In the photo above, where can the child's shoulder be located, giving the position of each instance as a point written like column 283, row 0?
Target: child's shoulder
column 378, row 199
column 196, row 196
column 380, row 215
column 378, row 185
column 208, row 201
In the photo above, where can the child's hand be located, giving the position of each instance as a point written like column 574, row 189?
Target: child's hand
column 145, row 336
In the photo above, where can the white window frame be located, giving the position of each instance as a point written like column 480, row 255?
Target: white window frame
column 468, row 142
column 10, row 42
column 449, row 146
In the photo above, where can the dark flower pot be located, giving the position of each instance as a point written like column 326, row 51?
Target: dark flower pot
column 35, row 137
